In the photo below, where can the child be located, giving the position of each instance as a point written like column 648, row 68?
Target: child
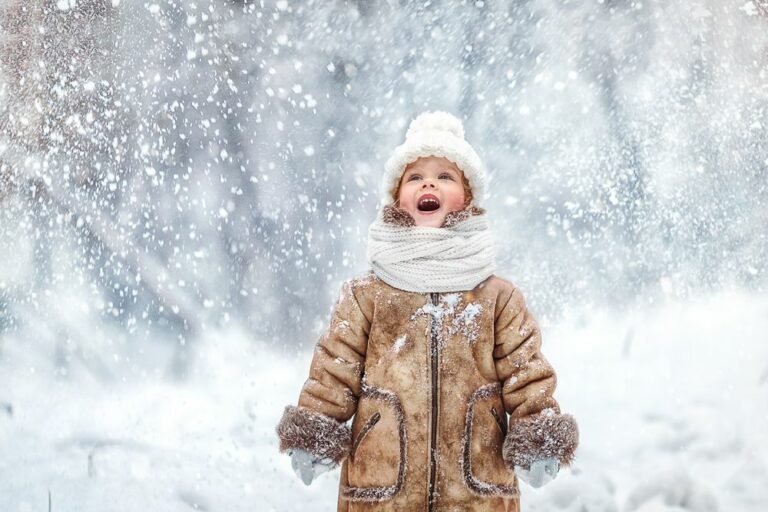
column 429, row 351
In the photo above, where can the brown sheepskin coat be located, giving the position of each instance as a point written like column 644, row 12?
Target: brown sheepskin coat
column 447, row 393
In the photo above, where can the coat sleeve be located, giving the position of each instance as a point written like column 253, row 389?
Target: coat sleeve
column 329, row 395
column 537, row 429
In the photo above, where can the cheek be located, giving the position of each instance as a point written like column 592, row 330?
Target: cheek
column 406, row 197
column 454, row 198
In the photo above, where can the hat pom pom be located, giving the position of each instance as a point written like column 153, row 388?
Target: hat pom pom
column 438, row 120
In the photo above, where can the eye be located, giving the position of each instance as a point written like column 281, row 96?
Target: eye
column 446, row 175
column 414, row 177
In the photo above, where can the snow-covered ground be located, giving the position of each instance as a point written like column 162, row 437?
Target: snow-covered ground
column 672, row 403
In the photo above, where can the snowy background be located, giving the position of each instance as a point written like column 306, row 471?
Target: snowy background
column 185, row 184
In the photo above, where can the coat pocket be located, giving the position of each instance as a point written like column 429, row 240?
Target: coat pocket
column 372, row 421
column 376, row 466
column 482, row 463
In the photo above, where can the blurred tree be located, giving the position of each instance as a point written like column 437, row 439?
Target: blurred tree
column 61, row 136
column 199, row 163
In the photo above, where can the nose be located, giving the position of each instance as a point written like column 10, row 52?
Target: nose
column 428, row 183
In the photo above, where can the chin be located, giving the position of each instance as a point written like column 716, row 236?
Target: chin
column 433, row 222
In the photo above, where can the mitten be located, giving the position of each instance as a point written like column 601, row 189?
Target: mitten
column 307, row 466
column 541, row 472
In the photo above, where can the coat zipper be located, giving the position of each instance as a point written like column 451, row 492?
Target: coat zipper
column 433, row 426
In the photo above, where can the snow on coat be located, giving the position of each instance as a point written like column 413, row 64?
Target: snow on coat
column 429, row 380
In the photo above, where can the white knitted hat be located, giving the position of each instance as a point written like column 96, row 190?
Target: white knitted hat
column 435, row 133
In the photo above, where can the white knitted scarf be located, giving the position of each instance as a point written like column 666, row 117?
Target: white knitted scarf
column 426, row 259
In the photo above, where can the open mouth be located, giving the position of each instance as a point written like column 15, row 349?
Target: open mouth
column 428, row 203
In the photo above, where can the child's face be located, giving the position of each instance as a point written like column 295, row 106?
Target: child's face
column 430, row 188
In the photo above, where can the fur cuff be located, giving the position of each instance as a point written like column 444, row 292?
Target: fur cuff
column 320, row 435
column 540, row 437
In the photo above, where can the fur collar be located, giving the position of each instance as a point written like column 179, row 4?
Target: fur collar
column 397, row 216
